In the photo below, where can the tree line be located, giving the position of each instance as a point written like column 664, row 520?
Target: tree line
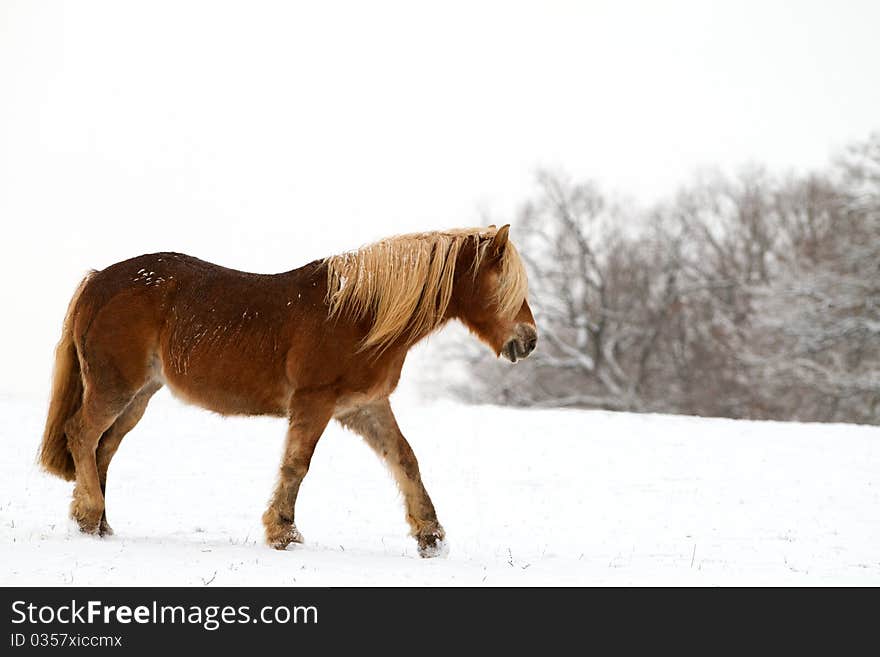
column 745, row 296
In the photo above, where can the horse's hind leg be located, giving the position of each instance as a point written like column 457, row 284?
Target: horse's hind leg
column 112, row 438
column 376, row 423
column 84, row 429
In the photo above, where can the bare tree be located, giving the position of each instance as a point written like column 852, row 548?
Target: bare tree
column 816, row 329
column 600, row 295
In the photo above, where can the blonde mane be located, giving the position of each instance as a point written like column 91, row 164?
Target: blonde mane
column 405, row 282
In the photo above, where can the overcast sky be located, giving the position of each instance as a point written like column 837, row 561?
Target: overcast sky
column 262, row 135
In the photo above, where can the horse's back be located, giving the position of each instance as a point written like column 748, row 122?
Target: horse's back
column 216, row 336
column 234, row 342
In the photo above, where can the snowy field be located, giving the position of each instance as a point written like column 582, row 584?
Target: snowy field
column 527, row 498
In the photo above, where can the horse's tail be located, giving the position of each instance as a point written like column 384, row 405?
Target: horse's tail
column 67, row 391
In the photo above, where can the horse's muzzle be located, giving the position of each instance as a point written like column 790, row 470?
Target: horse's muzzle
column 522, row 344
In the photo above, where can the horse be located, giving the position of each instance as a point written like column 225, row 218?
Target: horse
column 322, row 342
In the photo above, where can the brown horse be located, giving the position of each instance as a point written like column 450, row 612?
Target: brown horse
column 327, row 340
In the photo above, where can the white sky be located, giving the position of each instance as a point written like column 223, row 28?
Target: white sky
column 262, row 135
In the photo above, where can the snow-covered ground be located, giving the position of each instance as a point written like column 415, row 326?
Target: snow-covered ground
column 527, row 498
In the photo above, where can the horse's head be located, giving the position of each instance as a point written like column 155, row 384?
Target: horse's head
column 492, row 300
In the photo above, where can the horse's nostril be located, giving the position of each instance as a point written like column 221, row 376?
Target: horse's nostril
column 530, row 344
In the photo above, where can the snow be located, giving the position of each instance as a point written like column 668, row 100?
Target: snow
column 527, row 497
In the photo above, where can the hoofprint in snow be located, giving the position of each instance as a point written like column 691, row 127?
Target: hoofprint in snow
column 526, row 497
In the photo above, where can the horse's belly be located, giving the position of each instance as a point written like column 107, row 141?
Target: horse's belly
column 229, row 389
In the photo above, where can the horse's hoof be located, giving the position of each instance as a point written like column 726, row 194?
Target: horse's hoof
column 90, row 528
column 89, row 522
column 433, row 544
column 281, row 540
column 104, row 529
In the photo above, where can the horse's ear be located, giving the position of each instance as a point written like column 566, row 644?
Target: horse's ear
column 499, row 242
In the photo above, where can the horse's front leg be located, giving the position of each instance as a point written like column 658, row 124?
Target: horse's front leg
column 308, row 418
column 376, row 423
